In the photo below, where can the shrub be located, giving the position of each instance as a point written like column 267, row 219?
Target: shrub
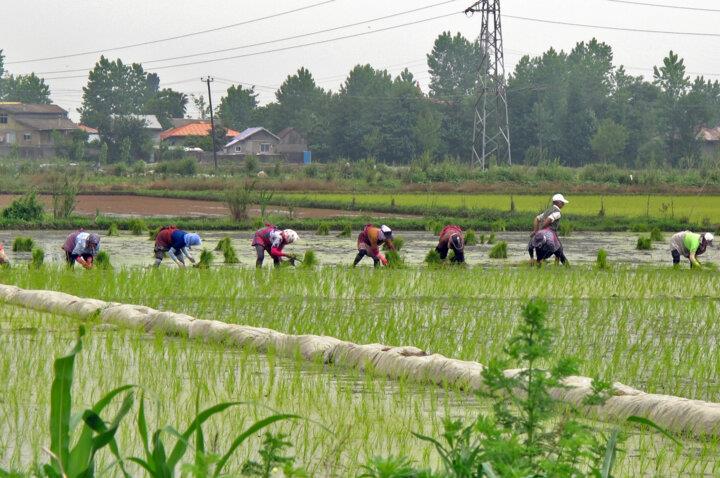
column 346, row 231
column 602, row 262
column 238, row 201
column 309, row 260
column 323, row 230
column 25, row 208
column 113, row 230
column 499, row 251
column 656, row 235
column 183, row 167
column 102, row 261
column 23, row 244
column 470, row 238
column 38, row 257
column 137, row 226
column 644, row 243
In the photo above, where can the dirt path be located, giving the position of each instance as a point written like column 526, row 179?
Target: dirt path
column 128, row 205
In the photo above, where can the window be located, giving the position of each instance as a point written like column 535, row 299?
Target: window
column 27, row 136
column 264, row 147
column 3, row 118
column 238, row 149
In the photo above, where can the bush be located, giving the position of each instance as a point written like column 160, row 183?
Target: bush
column 102, row 261
column 137, row 226
column 183, row 167
column 656, row 235
column 499, row 251
column 644, row 243
column 238, row 201
column 323, row 230
column 38, row 257
column 113, row 230
column 309, row 260
column 23, row 244
column 602, row 262
column 25, row 208
column 470, row 238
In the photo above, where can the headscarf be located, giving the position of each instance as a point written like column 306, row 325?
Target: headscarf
column 192, row 239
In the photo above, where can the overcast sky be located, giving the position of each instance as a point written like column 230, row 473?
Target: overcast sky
column 37, row 29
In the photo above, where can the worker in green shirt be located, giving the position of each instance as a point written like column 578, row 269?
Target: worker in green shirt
column 689, row 244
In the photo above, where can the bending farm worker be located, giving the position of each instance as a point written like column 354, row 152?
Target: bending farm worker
column 3, row 257
column 690, row 245
column 163, row 241
column 180, row 243
column 550, row 218
column 272, row 240
column 369, row 242
column 451, row 237
column 81, row 247
column 545, row 243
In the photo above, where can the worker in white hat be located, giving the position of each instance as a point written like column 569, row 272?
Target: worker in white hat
column 548, row 219
column 272, row 240
column 690, row 245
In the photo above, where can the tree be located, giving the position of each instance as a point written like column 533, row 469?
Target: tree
column 674, row 84
column 127, row 138
column 201, row 106
column 25, row 89
column 400, row 119
column 166, row 104
column 113, row 88
column 236, row 109
column 609, row 141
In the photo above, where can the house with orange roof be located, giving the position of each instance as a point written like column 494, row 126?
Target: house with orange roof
column 177, row 135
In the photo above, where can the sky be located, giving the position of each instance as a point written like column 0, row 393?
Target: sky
column 41, row 29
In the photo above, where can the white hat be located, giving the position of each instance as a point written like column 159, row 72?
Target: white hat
column 290, row 236
column 385, row 229
column 560, row 197
column 709, row 236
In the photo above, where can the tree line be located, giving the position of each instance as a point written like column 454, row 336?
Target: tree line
column 571, row 108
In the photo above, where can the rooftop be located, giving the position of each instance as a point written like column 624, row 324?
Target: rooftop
column 198, row 128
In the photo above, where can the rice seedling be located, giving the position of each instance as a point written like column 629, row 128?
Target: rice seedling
column 565, row 229
column 102, row 261
column 433, row 258
column 482, row 238
column 205, row 260
column 323, row 230
column 38, row 257
column 602, row 261
column 470, row 238
column 656, row 235
column 152, row 233
column 346, row 231
column 113, row 230
column 498, row 251
column 309, row 260
column 137, row 226
column 491, row 238
column 23, row 244
column 644, row 243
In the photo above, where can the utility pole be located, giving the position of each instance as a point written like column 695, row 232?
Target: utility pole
column 208, row 80
column 491, row 127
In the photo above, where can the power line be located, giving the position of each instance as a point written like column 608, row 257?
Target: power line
column 277, row 40
column 177, row 37
column 286, row 48
column 606, row 27
column 659, row 5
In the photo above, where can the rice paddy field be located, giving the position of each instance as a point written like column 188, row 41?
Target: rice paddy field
column 695, row 208
column 653, row 328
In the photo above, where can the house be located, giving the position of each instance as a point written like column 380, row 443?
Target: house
column 709, row 139
column 28, row 128
column 93, row 134
column 292, row 145
column 152, row 125
column 256, row 141
column 178, row 134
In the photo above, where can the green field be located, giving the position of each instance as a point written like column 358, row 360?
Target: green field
column 694, row 208
column 649, row 328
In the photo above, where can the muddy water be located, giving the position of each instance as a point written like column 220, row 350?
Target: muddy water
column 129, row 250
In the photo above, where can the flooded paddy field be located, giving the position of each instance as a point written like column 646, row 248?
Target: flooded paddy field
column 580, row 247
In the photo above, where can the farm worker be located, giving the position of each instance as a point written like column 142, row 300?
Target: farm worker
column 550, row 218
column 180, row 243
column 3, row 257
column 369, row 242
column 451, row 237
column 690, row 245
column 545, row 243
column 163, row 241
column 272, row 240
column 81, row 247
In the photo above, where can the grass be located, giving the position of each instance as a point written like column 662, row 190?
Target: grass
column 629, row 324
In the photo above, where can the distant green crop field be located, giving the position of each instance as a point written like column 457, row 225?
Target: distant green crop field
column 692, row 207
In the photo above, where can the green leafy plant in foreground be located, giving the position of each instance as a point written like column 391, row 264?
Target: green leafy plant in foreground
column 529, row 433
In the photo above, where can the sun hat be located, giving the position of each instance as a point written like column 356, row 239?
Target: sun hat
column 290, row 236
column 709, row 236
column 93, row 239
column 385, row 229
column 559, row 198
